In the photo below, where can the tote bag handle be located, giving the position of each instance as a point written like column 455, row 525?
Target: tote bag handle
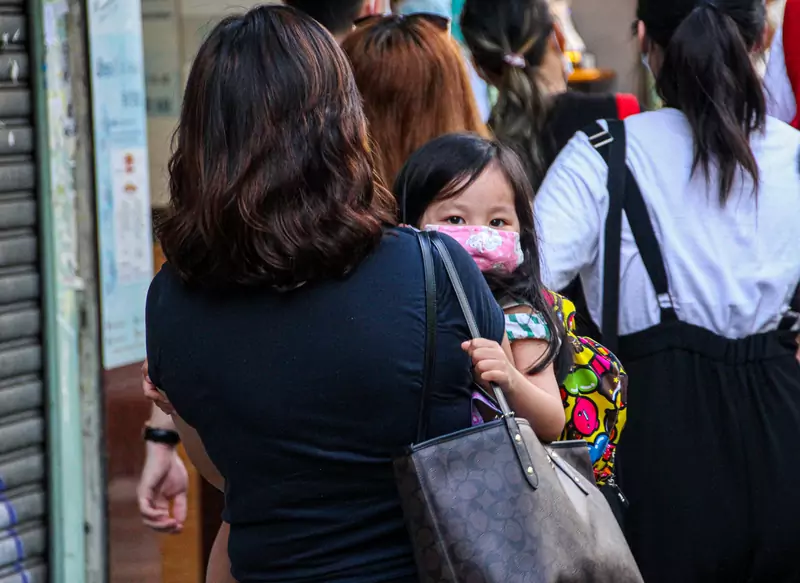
column 428, row 240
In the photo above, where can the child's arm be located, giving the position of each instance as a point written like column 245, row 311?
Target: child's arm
column 551, row 417
column 538, row 403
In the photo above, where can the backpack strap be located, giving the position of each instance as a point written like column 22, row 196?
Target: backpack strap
column 613, row 143
column 791, row 318
column 624, row 195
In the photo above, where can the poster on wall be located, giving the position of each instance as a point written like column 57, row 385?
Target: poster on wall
column 162, row 61
column 121, row 176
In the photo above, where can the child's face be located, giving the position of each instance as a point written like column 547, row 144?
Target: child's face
column 489, row 202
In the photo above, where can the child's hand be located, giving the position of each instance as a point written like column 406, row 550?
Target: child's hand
column 491, row 363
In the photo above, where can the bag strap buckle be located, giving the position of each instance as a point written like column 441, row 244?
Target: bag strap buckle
column 792, row 315
column 600, row 139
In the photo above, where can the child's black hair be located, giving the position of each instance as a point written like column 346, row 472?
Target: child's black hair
column 444, row 168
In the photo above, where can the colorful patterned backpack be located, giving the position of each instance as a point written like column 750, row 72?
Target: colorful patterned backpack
column 594, row 394
column 594, row 391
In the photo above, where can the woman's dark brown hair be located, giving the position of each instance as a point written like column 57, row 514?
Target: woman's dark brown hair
column 271, row 179
column 415, row 85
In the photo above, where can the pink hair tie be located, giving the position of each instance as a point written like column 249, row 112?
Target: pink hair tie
column 515, row 60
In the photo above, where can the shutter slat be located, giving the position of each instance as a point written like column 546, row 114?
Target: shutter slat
column 18, row 284
column 22, row 433
column 30, row 542
column 17, row 212
column 24, row 322
column 22, row 467
column 30, row 572
column 17, row 359
column 22, row 507
column 15, row 103
column 20, row 396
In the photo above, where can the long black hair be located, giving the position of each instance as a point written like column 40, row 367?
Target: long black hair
column 497, row 32
column 444, row 168
column 706, row 72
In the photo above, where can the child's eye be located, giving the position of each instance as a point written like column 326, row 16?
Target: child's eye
column 455, row 220
column 497, row 223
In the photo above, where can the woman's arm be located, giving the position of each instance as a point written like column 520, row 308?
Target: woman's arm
column 159, row 419
column 191, row 441
column 219, row 564
column 197, row 453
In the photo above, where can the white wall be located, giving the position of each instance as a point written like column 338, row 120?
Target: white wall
column 183, row 35
column 605, row 25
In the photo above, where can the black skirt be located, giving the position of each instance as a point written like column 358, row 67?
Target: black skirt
column 709, row 458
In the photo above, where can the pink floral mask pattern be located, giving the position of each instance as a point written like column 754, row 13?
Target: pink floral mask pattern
column 492, row 250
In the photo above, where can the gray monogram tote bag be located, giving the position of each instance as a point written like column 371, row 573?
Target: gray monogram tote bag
column 491, row 504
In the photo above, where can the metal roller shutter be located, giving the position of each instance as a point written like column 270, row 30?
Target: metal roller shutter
column 23, row 528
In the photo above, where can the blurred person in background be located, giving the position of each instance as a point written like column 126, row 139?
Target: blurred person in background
column 338, row 16
column 412, row 77
column 708, row 266
column 782, row 79
column 287, row 328
column 515, row 47
column 451, row 9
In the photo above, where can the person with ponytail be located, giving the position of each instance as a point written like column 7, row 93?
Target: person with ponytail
column 690, row 264
column 515, row 48
column 782, row 79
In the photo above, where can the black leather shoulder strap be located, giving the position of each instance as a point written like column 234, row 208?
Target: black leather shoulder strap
column 466, row 309
column 613, row 240
column 624, row 195
column 791, row 319
column 430, row 335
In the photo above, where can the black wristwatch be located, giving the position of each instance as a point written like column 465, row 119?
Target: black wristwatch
column 165, row 436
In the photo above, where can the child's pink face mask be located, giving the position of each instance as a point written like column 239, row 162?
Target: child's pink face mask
column 492, row 250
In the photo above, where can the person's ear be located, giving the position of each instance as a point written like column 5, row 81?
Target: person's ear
column 641, row 35
column 766, row 39
column 559, row 36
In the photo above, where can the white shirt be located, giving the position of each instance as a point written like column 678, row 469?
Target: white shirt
column 731, row 269
column 781, row 101
column 479, row 88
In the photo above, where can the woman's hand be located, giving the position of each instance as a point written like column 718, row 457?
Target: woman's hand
column 492, row 364
column 151, row 392
column 162, row 489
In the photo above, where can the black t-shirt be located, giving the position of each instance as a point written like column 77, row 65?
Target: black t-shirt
column 303, row 398
column 569, row 113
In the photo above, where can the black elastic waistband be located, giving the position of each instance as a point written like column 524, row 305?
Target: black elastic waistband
column 697, row 340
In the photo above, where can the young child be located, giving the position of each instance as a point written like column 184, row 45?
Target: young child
column 476, row 191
